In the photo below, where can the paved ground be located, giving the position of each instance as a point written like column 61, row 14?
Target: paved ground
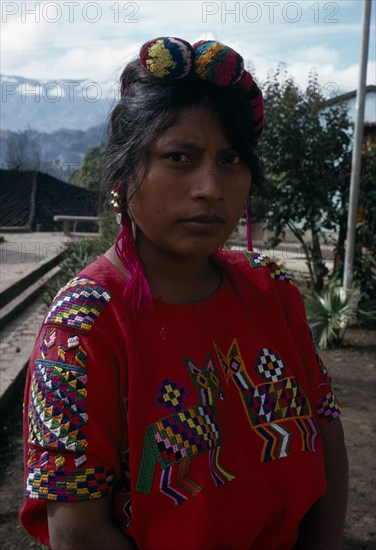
column 21, row 253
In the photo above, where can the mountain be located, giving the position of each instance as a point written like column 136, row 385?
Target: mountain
column 52, row 123
column 58, row 154
column 47, row 106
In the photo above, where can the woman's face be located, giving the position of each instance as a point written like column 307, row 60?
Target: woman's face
column 194, row 190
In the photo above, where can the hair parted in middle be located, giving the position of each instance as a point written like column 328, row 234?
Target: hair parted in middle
column 154, row 91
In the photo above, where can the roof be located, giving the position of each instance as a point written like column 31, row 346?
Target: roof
column 350, row 95
column 30, row 199
column 350, row 99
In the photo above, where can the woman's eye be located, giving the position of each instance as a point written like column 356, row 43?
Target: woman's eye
column 232, row 158
column 177, row 157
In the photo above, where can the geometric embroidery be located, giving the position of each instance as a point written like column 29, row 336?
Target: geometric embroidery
column 61, row 353
column 269, row 365
column 52, row 339
column 81, row 356
column 261, row 260
column 271, row 407
column 81, row 459
column 59, row 461
column 258, row 260
column 57, row 409
column 277, row 273
column 43, row 345
column 73, row 341
column 69, row 486
column 171, row 395
column 78, row 304
column 275, row 401
column 328, row 407
column 184, row 434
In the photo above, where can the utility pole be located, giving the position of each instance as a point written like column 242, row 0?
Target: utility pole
column 357, row 150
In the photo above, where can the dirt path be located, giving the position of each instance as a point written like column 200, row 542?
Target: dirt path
column 353, row 369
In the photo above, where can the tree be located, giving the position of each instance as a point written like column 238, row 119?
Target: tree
column 305, row 150
column 89, row 175
column 23, row 151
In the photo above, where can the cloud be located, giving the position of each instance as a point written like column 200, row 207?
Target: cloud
column 95, row 43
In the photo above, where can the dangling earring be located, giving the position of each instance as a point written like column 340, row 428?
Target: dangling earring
column 133, row 225
column 115, row 201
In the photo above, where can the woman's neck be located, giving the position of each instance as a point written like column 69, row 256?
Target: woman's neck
column 175, row 279
column 182, row 280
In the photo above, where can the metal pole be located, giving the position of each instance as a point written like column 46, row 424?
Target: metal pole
column 357, row 151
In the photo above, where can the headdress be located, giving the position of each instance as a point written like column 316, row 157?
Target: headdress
column 171, row 58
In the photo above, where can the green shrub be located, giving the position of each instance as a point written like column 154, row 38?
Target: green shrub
column 330, row 313
column 78, row 254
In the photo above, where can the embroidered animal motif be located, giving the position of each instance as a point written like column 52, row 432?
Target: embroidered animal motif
column 272, row 405
column 177, row 438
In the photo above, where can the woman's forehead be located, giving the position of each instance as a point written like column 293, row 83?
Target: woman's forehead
column 193, row 125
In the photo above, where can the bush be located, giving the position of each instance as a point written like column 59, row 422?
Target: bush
column 329, row 314
column 81, row 253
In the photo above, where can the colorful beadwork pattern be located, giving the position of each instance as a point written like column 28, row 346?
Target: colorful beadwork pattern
column 61, row 353
column 81, row 356
column 43, row 345
column 73, row 341
column 59, row 461
column 78, row 304
column 57, row 409
column 329, row 407
column 181, row 436
column 270, row 405
column 171, row 396
column 69, row 486
column 261, row 260
column 269, row 365
column 52, row 340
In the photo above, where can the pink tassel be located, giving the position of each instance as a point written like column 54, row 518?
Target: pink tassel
column 137, row 293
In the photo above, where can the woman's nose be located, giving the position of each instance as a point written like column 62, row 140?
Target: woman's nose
column 209, row 184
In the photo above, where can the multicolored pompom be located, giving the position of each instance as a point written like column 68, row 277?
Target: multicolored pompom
column 167, row 57
column 173, row 58
column 217, row 63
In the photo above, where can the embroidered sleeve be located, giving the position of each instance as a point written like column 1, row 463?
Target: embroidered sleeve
column 73, row 409
column 327, row 404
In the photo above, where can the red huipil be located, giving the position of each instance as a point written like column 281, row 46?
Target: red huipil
column 201, row 421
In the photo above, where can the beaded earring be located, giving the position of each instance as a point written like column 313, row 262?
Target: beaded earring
column 115, row 201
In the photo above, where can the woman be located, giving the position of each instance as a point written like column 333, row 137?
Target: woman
column 174, row 398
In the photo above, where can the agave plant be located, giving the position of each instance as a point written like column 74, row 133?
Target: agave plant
column 330, row 313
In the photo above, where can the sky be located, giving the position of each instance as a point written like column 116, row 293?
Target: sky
column 79, row 39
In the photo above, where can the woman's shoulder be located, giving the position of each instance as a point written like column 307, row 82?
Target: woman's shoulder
column 257, row 266
column 82, row 299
